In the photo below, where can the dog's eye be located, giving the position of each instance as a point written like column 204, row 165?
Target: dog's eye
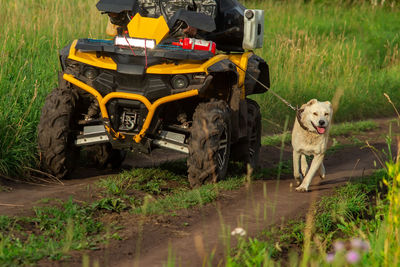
column 326, row 114
column 315, row 114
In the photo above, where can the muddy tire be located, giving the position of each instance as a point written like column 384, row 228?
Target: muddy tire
column 103, row 155
column 254, row 132
column 247, row 149
column 58, row 153
column 209, row 144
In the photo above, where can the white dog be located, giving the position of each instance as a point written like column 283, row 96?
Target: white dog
column 310, row 137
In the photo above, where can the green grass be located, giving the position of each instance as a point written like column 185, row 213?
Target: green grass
column 61, row 227
column 185, row 199
column 348, row 128
column 345, row 214
column 31, row 36
column 312, row 50
column 276, row 139
column 151, row 180
column 51, row 233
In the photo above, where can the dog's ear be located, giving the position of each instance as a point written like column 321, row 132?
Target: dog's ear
column 328, row 103
column 311, row 102
column 303, row 107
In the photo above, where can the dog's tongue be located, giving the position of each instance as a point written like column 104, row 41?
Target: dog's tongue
column 321, row 130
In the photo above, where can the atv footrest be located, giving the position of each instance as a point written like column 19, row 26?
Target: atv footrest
column 95, row 134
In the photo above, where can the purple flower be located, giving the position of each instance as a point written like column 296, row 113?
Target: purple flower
column 338, row 246
column 330, row 257
column 365, row 246
column 358, row 243
column 352, row 257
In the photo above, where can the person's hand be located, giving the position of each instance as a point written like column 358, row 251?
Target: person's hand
column 191, row 31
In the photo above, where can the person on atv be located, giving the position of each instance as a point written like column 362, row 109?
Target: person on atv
column 157, row 8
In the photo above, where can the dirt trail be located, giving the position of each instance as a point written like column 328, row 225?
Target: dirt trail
column 193, row 234
column 24, row 196
column 244, row 208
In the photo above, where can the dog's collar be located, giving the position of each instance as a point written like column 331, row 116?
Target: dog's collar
column 298, row 116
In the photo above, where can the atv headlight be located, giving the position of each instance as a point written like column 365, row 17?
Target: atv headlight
column 179, row 82
column 134, row 42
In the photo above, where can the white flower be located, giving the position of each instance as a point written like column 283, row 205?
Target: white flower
column 239, row 231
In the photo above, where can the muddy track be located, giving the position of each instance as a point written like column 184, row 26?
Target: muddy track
column 208, row 226
column 195, row 234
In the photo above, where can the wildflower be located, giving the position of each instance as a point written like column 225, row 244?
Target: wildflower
column 330, row 257
column 239, row 231
column 352, row 257
column 338, row 246
column 358, row 243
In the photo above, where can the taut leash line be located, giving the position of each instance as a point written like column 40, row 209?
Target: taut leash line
column 297, row 110
column 272, row 92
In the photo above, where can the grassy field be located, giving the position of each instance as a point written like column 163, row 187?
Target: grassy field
column 313, row 50
column 316, row 49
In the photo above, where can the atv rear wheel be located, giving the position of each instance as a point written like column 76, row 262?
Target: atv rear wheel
column 254, row 132
column 58, row 153
column 209, row 144
column 247, row 149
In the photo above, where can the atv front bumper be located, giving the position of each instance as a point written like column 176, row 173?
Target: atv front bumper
column 151, row 107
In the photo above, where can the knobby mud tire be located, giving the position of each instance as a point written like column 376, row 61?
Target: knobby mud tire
column 254, row 132
column 58, row 153
column 247, row 149
column 209, row 144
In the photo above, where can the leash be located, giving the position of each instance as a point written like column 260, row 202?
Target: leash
column 297, row 110
column 268, row 89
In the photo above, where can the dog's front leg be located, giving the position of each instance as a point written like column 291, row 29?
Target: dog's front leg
column 296, row 167
column 315, row 164
column 304, row 165
column 322, row 171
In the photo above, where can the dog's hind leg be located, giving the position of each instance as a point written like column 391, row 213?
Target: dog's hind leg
column 304, row 165
column 296, row 167
column 315, row 164
column 322, row 171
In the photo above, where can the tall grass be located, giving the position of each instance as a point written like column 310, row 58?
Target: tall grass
column 312, row 50
column 31, row 34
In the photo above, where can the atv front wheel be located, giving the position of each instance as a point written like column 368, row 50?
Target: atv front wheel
column 58, row 153
column 209, row 144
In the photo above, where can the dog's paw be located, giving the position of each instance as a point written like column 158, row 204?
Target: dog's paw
column 301, row 189
column 298, row 181
column 322, row 176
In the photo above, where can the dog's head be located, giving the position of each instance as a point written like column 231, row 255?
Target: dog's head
column 316, row 116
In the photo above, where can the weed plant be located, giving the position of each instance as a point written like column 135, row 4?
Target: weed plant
column 51, row 233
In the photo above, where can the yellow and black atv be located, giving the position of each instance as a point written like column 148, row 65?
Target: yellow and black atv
column 145, row 89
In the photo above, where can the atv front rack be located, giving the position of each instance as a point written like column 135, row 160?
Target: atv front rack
column 151, row 107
